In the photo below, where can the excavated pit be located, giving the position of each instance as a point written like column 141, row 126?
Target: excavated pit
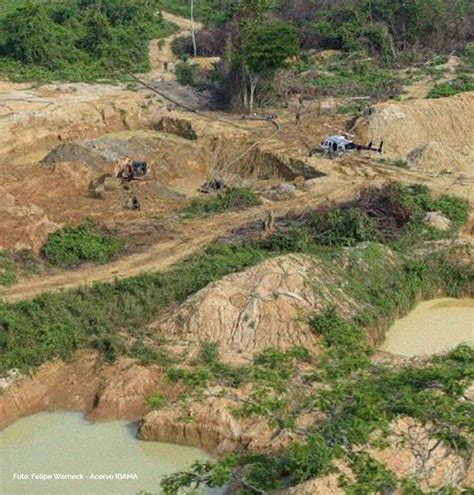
column 174, row 157
column 74, row 180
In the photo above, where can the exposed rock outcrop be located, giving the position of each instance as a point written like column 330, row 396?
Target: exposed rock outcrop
column 266, row 306
column 414, row 452
column 210, row 424
column 437, row 220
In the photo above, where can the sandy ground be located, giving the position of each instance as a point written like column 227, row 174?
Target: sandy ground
column 35, row 199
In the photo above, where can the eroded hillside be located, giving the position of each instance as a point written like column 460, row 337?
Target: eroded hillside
column 243, row 320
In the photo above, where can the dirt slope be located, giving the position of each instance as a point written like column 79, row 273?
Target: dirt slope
column 265, row 306
column 162, row 58
column 36, row 118
column 410, row 124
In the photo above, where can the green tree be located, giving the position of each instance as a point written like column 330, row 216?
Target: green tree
column 98, row 33
column 265, row 48
column 31, row 37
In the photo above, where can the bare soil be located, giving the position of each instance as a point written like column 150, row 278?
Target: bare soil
column 56, row 140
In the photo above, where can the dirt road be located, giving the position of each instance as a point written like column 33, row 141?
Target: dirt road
column 161, row 54
column 194, row 236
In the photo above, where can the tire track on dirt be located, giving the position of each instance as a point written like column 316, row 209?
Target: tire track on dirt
column 195, row 235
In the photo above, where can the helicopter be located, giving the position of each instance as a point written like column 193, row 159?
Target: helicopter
column 341, row 144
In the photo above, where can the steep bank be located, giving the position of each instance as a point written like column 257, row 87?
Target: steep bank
column 38, row 118
column 435, row 134
column 86, row 384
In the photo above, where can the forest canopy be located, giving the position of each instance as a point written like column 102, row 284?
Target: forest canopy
column 79, row 39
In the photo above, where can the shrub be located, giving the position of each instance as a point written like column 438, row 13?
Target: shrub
column 453, row 207
column 156, row 400
column 371, row 476
column 186, row 73
column 339, row 227
column 293, row 239
column 235, row 198
column 400, row 163
column 198, row 377
column 347, row 345
column 310, row 459
column 73, row 245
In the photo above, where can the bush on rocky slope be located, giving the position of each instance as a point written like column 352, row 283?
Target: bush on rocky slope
column 355, row 411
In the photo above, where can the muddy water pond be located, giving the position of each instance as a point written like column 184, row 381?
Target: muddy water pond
column 49, row 444
column 432, row 327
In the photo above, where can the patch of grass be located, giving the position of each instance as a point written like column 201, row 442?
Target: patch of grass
column 72, row 245
column 464, row 80
column 7, row 270
column 104, row 315
column 235, row 198
column 400, row 163
column 349, row 77
column 18, row 263
column 453, row 207
column 156, row 400
column 338, row 227
column 353, row 108
column 451, row 88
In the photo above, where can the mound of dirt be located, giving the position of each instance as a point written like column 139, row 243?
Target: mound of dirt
column 164, row 154
column 435, row 157
column 74, row 152
column 106, row 149
column 265, row 306
column 23, row 226
column 407, row 125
